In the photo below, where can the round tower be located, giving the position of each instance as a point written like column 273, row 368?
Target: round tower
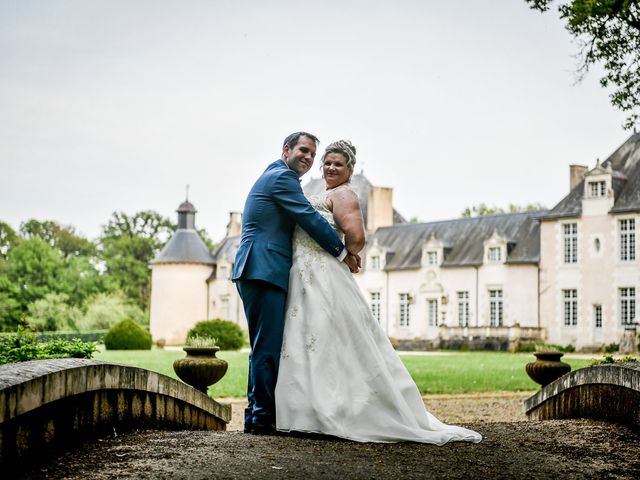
column 179, row 281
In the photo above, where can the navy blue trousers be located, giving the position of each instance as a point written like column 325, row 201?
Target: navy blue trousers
column 264, row 305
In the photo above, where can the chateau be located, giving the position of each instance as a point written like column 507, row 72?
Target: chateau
column 565, row 276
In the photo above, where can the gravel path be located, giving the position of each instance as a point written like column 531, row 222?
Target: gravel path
column 512, row 448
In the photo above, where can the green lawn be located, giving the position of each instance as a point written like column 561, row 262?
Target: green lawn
column 233, row 384
column 463, row 372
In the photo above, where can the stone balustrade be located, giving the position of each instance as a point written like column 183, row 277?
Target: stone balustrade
column 609, row 391
column 46, row 405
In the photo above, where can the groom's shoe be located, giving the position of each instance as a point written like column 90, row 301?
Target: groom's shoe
column 268, row 429
column 248, row 427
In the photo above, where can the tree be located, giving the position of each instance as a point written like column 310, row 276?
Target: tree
column 106, row 309
column 483, row 209
column 128, row 244
column 11, row 313
column 34, row 267
column 60, row 237
column 53, row 312
column 206, row 239
column 8, row 238
column 29, row 273
column 608, row 32
column 80, row 279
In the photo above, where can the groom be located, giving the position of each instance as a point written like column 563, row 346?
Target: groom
column 261, row 270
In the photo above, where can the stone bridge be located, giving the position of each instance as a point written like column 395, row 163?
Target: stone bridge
column 49, row 403
column 609, row 391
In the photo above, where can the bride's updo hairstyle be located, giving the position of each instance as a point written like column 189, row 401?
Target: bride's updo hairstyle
column 346, row 148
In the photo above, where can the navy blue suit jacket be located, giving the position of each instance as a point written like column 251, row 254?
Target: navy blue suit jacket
column 274, row 206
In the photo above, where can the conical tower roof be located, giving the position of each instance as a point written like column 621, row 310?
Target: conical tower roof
column 185, row 246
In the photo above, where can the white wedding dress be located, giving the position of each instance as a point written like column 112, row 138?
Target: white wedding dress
column 339, row 374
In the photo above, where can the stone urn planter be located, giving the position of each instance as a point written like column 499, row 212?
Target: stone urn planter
column 547, row 367
column 200, row 368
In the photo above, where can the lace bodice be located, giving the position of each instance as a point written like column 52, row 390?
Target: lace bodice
column 301, row 239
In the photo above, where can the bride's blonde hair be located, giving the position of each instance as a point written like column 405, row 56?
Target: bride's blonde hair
column 344, row 147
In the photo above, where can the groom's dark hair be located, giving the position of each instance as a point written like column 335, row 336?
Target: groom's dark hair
column 292, row 140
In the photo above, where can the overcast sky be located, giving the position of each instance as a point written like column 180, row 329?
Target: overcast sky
column 117, row 105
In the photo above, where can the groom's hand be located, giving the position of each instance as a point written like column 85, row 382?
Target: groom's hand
column 353, row 262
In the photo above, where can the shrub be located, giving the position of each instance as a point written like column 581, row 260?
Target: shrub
column 201, row 342
column 527, row 347
column 567, row 348
column 96, row 336
column 127, row 335
column 544, row 347
column 228, row 335
column 612, row 348
column 394, row 342
column 23, row 346
column 609, row 359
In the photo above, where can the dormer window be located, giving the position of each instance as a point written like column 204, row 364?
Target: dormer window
column 597, row 189
column 496, row 248
column 432, row 252
column 495, row 254
column 375, row 262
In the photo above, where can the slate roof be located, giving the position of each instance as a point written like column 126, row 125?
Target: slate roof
column 185, row 246
column 463, row 240
column 625, row 163
column 361, row 186
column 186, row 207
column 227, row 249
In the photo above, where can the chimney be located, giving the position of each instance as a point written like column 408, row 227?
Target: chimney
column 576, row 174
column 379, row 208
column 234, row 227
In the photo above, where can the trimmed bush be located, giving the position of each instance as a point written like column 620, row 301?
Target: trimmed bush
column 228, row 335
column 127, row 335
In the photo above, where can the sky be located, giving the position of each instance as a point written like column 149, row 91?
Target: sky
column 117, row 105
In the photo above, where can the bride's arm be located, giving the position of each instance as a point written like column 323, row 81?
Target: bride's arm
column 344, row 204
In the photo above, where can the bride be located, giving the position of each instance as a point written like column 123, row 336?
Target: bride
column 339, row 374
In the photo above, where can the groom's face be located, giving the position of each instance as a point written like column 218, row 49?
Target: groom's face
column 300, row 158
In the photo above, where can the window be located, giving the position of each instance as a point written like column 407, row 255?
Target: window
column 495, row 308
column 224, row 307
column 432, row 258
column 570, row 307
column 432, row 309
column 404, row 309
column 597, row 189
column 597, row 316
column 627, row 305
column 375, row 262
column 375, row 305
column 463, row 308
column 222, row 273
column 627, row 236
column 570, row 242
column 495, row 254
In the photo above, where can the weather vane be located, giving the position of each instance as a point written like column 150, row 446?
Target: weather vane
column 187, row 192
